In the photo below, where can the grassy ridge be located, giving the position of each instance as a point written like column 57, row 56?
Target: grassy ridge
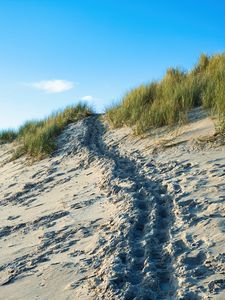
column 38, row 138
column 167, row 102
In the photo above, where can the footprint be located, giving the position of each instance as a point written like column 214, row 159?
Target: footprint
column 11, row 218
column 216, row 286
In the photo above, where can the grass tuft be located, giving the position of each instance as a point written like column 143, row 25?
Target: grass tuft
column 38, row 138
column 7, row 136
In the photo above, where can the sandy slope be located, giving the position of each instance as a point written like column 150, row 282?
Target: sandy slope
column 111, row 216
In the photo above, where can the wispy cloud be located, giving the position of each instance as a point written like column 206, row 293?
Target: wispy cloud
column 87, row 98
column 53, row 86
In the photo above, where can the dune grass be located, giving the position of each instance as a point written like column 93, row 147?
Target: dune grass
column 167, row 102
column 7, row 136
column 38, row 138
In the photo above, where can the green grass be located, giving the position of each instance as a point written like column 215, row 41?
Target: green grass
column 7, row 136
column 167, row 102
column 38, row 138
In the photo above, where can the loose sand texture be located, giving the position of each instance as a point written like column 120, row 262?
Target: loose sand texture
column 114, row 216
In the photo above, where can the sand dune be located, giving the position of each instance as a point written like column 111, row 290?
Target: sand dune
column 113, row 216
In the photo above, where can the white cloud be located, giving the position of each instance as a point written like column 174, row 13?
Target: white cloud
column 96, row 103
column 53, row 86
column 87, row 98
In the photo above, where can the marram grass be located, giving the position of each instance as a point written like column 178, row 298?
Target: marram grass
column 7, row 136
column 38, row 138
column 167, row 102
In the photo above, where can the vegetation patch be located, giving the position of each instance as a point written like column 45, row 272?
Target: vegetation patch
column 38, row 138
column 7, row 136
column 167, row 102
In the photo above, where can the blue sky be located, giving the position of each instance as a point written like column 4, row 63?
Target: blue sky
column 56, row 52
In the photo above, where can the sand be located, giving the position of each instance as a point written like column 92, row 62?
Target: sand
column 114, row 216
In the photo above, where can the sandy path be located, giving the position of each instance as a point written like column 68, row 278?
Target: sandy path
column 104, row 218
column 194, row 179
